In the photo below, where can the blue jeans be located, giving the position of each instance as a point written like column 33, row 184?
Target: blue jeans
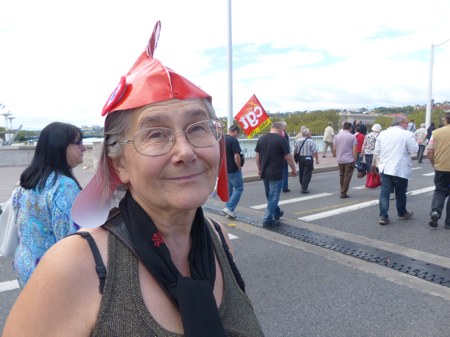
column 388, row 185
column 235, row 188
column 273, row 190
column 285, row 175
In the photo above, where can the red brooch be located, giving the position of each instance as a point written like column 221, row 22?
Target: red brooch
column 116, row 96
column 157, row 240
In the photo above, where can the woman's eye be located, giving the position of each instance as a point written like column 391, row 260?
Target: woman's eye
column 155, row 135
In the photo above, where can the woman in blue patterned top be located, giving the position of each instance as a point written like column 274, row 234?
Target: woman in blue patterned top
column 47, row 191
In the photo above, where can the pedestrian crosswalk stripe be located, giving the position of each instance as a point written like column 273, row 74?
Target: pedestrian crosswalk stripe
column 9, row 285
column 337, row 211
column 291, row 201
column 355, row 207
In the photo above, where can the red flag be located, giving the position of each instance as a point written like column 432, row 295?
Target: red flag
column 252, row 118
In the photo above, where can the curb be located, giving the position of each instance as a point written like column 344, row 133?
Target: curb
column 255, row 177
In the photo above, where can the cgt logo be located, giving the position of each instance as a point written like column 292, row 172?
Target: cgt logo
column 251, row 119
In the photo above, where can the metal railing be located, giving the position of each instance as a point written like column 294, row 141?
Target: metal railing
column 248, row 145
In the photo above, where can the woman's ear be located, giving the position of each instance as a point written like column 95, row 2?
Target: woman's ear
column 120, row 167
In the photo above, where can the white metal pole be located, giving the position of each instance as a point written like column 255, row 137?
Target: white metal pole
column 230, row 69
column 430, row 88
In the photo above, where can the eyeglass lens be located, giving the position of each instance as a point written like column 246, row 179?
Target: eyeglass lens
column 157, row 141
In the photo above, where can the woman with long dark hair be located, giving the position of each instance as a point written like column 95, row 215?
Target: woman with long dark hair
column 47, row 191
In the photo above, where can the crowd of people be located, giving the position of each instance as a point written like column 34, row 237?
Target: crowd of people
column 384, row 153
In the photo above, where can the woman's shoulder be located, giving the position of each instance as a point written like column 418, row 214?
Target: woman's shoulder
column 64, row 284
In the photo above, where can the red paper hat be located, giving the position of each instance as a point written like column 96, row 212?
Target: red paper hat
column 148, row 81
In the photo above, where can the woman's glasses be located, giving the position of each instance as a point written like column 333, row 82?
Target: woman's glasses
column 159, row 141
column 78, row 143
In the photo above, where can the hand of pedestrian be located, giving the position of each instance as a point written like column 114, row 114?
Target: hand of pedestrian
column 294, row 173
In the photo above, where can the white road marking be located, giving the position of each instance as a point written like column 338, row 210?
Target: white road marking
column 428, row 174
column 9, row 285
column 338, row 211
column 421, row 190
column 291, row 201
column 355, row 207
column 231, row 236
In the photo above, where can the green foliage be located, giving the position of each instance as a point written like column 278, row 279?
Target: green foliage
column 316, row 121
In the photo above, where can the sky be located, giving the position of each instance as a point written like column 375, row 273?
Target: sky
column 60, row 60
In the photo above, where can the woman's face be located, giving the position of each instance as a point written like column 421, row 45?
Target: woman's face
column 75, row 152
column 180, row 179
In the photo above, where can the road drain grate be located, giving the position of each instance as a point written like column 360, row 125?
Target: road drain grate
column 424, row 270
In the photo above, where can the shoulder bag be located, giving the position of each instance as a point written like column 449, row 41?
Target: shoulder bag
column 9, row 237
column 297, row 154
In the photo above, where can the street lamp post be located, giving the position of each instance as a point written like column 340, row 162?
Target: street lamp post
column 230, row 69
column 430, row 83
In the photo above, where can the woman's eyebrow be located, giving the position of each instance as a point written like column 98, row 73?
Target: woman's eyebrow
column 159, row 118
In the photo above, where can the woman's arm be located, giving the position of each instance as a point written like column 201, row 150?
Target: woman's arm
column 61, row 298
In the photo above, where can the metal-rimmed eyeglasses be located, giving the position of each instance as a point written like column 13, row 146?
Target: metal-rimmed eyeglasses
column 158, row 141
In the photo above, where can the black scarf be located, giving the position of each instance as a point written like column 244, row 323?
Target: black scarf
column 194, row 296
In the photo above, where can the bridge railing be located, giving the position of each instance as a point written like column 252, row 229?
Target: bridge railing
column 248, row 145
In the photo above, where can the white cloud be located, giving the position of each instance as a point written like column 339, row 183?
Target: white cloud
column 60, row 61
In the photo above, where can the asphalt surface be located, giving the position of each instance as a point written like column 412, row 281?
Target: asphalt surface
column 301, row 289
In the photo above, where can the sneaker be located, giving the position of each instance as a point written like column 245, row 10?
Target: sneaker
column 435, row 216
column 304, row 191
column 384, row 221
column 278, row 217
column 447, row 226
column 344, row 196
column 229, row 213
column 271, row 223
column 406, row 216
column 286, row 190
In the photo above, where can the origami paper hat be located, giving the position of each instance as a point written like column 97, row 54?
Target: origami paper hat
column 148, row 81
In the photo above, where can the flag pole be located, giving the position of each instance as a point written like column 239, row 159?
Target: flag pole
column 230, row 70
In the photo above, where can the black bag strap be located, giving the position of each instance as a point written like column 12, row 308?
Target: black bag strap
column 302, row 146
column 99, row 265
column 236, row 273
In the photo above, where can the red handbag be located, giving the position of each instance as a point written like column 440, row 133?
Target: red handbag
column 373, row 180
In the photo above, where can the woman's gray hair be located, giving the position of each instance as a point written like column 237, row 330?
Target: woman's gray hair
column 116, row 127
column 398, row 120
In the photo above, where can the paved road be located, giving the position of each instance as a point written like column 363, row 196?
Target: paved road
column 301, row 289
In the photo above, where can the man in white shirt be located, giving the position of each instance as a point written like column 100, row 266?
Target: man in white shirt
column 393, row 150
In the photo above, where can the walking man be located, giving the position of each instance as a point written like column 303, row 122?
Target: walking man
column 345, row 153
column 328, row 135
column 234, row 165
column 271, row 151
column 439, row 156
column 285, row 184
column 393, row 149
column 421, row 139
column 307, row 149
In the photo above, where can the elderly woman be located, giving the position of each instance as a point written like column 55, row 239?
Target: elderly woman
column 168, row 269
column 368, row 147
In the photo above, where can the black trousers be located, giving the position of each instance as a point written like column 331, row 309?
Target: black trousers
column 305, row 174
column 441, row 192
